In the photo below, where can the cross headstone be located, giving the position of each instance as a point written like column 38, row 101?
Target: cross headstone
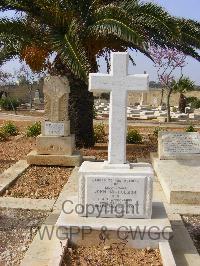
column 118, row 83
column 56, row 90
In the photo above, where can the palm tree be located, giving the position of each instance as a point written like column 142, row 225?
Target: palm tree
column 183, row 85
column 79, row 31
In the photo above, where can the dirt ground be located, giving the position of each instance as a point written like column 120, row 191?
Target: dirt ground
column 17, row 230
column 16, row 147
column 19, row 146
column 135, row 152
column 40, row 182
column 192, row 224
column 24, row 112
column 111, row 255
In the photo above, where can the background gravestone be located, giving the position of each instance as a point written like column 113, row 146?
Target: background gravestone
column 177, row 166
column 178, row 145
column 56, row 146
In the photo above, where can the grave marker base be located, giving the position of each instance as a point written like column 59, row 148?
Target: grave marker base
column 127, row 189
column 140, row 233
column 33, row 158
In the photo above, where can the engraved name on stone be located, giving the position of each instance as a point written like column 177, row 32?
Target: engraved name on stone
column 181, row 143
column 54, row 129
column 119, row 196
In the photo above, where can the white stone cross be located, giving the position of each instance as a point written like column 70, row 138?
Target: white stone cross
column 119, row 83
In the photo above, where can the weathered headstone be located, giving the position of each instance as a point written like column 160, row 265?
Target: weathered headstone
column 56, row 94
column 143, row 100
column 116, row 184
column 56, row 139
column 178, row 145
column 37, row 102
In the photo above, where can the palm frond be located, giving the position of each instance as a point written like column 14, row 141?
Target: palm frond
column 9, row 48
column 71, row 51
column 19, row 29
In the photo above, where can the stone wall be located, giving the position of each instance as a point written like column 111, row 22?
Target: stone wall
column 21, row 92
column 154, row 96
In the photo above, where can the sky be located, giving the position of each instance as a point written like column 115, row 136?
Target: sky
column 180, row 8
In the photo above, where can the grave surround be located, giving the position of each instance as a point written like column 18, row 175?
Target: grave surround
column 115, row 181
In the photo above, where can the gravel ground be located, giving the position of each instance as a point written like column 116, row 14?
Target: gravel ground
column 108, row 255
column 16, row 148
column 17, row 230
column 40, row 182
column 138, row 151
column 192, row 224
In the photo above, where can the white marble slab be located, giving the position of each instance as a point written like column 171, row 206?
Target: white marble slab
column 178, row 145
column 54, row 129
column 117, row 193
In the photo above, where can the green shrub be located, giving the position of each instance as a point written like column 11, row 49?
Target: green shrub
column 3, row 134
column 34, row 130
column 10, row 128
column 196, row 105
column 194, row 102
column 99, row 133
column 133, row 137
column 9, row 103
column 94, row 112
column 190, row 129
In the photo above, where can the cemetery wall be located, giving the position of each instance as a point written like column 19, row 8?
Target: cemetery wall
column 21, row 92
column 135, row 97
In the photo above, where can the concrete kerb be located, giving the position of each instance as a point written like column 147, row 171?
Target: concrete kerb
column 45, row 250
column 50, row 252
column 27, row 203
column 11, row 174
column 182, row 246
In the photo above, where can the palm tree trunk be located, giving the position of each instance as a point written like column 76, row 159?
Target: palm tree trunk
column 81, row 104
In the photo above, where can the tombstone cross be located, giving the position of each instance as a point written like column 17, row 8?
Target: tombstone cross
column 55, row 87
column 119, row 83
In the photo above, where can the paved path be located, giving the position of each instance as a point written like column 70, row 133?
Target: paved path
column 155, row 124
column 13, row 117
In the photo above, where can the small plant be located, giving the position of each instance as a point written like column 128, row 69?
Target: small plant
column 134, row 137
column 174, row 109
column 10, row 129
column 99, row 133
column 156, row 131
column 194, row 102
column 34, row 130
column 190, row 129
column 3, row 134
column 9, row 104
column 94, row 112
